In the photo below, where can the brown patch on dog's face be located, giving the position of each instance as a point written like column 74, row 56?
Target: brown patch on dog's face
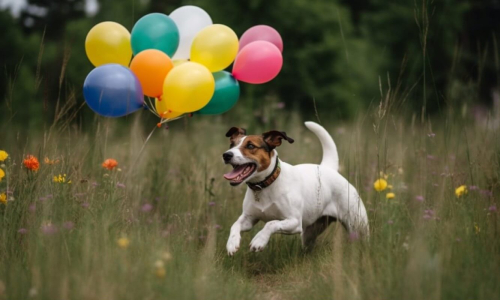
column 235, row 134
column 255, row 148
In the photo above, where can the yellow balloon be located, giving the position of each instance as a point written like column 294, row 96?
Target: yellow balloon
column 188, row 87
column 108, row 42
column 164, row 111
column 178, row 62
column 215, row 47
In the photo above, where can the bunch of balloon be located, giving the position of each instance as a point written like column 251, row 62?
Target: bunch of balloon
column 174, row 65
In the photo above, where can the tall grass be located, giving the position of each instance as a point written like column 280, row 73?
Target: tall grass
column 60, row 240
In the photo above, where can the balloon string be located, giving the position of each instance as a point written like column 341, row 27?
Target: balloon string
column 140, row 152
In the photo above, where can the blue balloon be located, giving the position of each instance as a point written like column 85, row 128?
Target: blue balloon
column 155, row 31
column 112, row 90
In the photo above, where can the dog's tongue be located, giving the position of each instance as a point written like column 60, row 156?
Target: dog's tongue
column 235, row 172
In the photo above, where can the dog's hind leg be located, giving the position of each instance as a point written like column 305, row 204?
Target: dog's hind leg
column 311, row 232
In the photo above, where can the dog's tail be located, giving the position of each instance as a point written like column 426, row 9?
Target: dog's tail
column 330, row 155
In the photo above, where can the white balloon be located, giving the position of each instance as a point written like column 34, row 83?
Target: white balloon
column 189, row 20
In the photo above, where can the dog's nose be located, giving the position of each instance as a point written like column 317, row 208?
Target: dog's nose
column 227, row 156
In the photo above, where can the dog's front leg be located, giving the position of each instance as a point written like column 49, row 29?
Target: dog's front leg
column 287, row 226
column 244, row 223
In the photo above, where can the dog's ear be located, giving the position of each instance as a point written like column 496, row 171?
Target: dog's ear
column 273, row 138
column 236, row 131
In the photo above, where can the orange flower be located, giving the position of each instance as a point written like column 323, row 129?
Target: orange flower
column 31, row 163
column 109, row 164
column 48, row 161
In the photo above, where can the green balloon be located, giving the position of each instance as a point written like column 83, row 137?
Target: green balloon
column 227, row 92
column 155, row 31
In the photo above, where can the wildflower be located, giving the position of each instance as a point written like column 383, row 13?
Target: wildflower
column 390, row 222
column 353, row 236
column 380, row 185
column 123, row 242
column 3, row 155
column 389, row 186
column 147, row 207
column 492, row 208
column 85, row 204
column 32, row 208
column 477, row 230
column 22, row 230
column 160, row 272
column 211, row 203
column 431, row 135
column 120, row 185
column 217, row 226
column 406, row 246
column 461, row 190
column 166, row 256
column 159, row 263
column 59, row 179
column 31, row 163
column 390, row 195
column 382, row 174
column 458, row 240
column 48, row 161
column 3, row 198
column 109, row 164
column 49, row 229
column 2, row 174
column 419, row 198
column 473, row 188
column 68, row 225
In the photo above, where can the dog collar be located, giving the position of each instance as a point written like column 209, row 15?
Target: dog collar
column 268, row 180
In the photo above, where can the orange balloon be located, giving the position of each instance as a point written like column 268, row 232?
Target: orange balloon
column 151, row 67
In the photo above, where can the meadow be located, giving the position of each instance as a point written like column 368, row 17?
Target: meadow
column 156, row 225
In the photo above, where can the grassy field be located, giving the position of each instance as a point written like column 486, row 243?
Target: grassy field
column 156, row 226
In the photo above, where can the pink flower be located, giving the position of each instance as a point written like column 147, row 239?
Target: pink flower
column 390, row 222
column 211, row 203
column 49, row 229
column 492, row 208
column 22, row 231
column 120, row 185
column 353, row 236
column 68, row 225
column 419, row 198
column 147, row 207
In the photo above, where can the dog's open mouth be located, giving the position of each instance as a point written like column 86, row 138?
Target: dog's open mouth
column 240, row 173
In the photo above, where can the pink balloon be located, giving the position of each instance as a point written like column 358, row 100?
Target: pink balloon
column 261, row 33
column 258, row 62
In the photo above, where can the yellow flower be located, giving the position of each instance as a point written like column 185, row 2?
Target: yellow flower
column 461, row 190
column 123, row 242
column 166, row 256
column 3, row 155
column 161, row 272
column 380, row 185
column 3, row 198
column 2, row 174
column 60, row 179
column 476, row 228
column 390, row 195
column 389, row 186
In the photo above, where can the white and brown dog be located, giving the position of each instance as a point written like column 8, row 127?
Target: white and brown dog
column 301, row 199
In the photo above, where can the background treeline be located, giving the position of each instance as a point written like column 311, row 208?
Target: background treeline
column 344, row 54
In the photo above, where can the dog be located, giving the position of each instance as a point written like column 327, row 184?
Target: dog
column 302, row 199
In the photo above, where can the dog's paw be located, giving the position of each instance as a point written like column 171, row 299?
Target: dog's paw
column 233, row 244
column 259, row 242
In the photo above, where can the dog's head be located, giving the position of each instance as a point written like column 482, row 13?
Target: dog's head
column 250, row 154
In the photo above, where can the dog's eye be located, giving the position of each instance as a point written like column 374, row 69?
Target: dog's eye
column 250, row 146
